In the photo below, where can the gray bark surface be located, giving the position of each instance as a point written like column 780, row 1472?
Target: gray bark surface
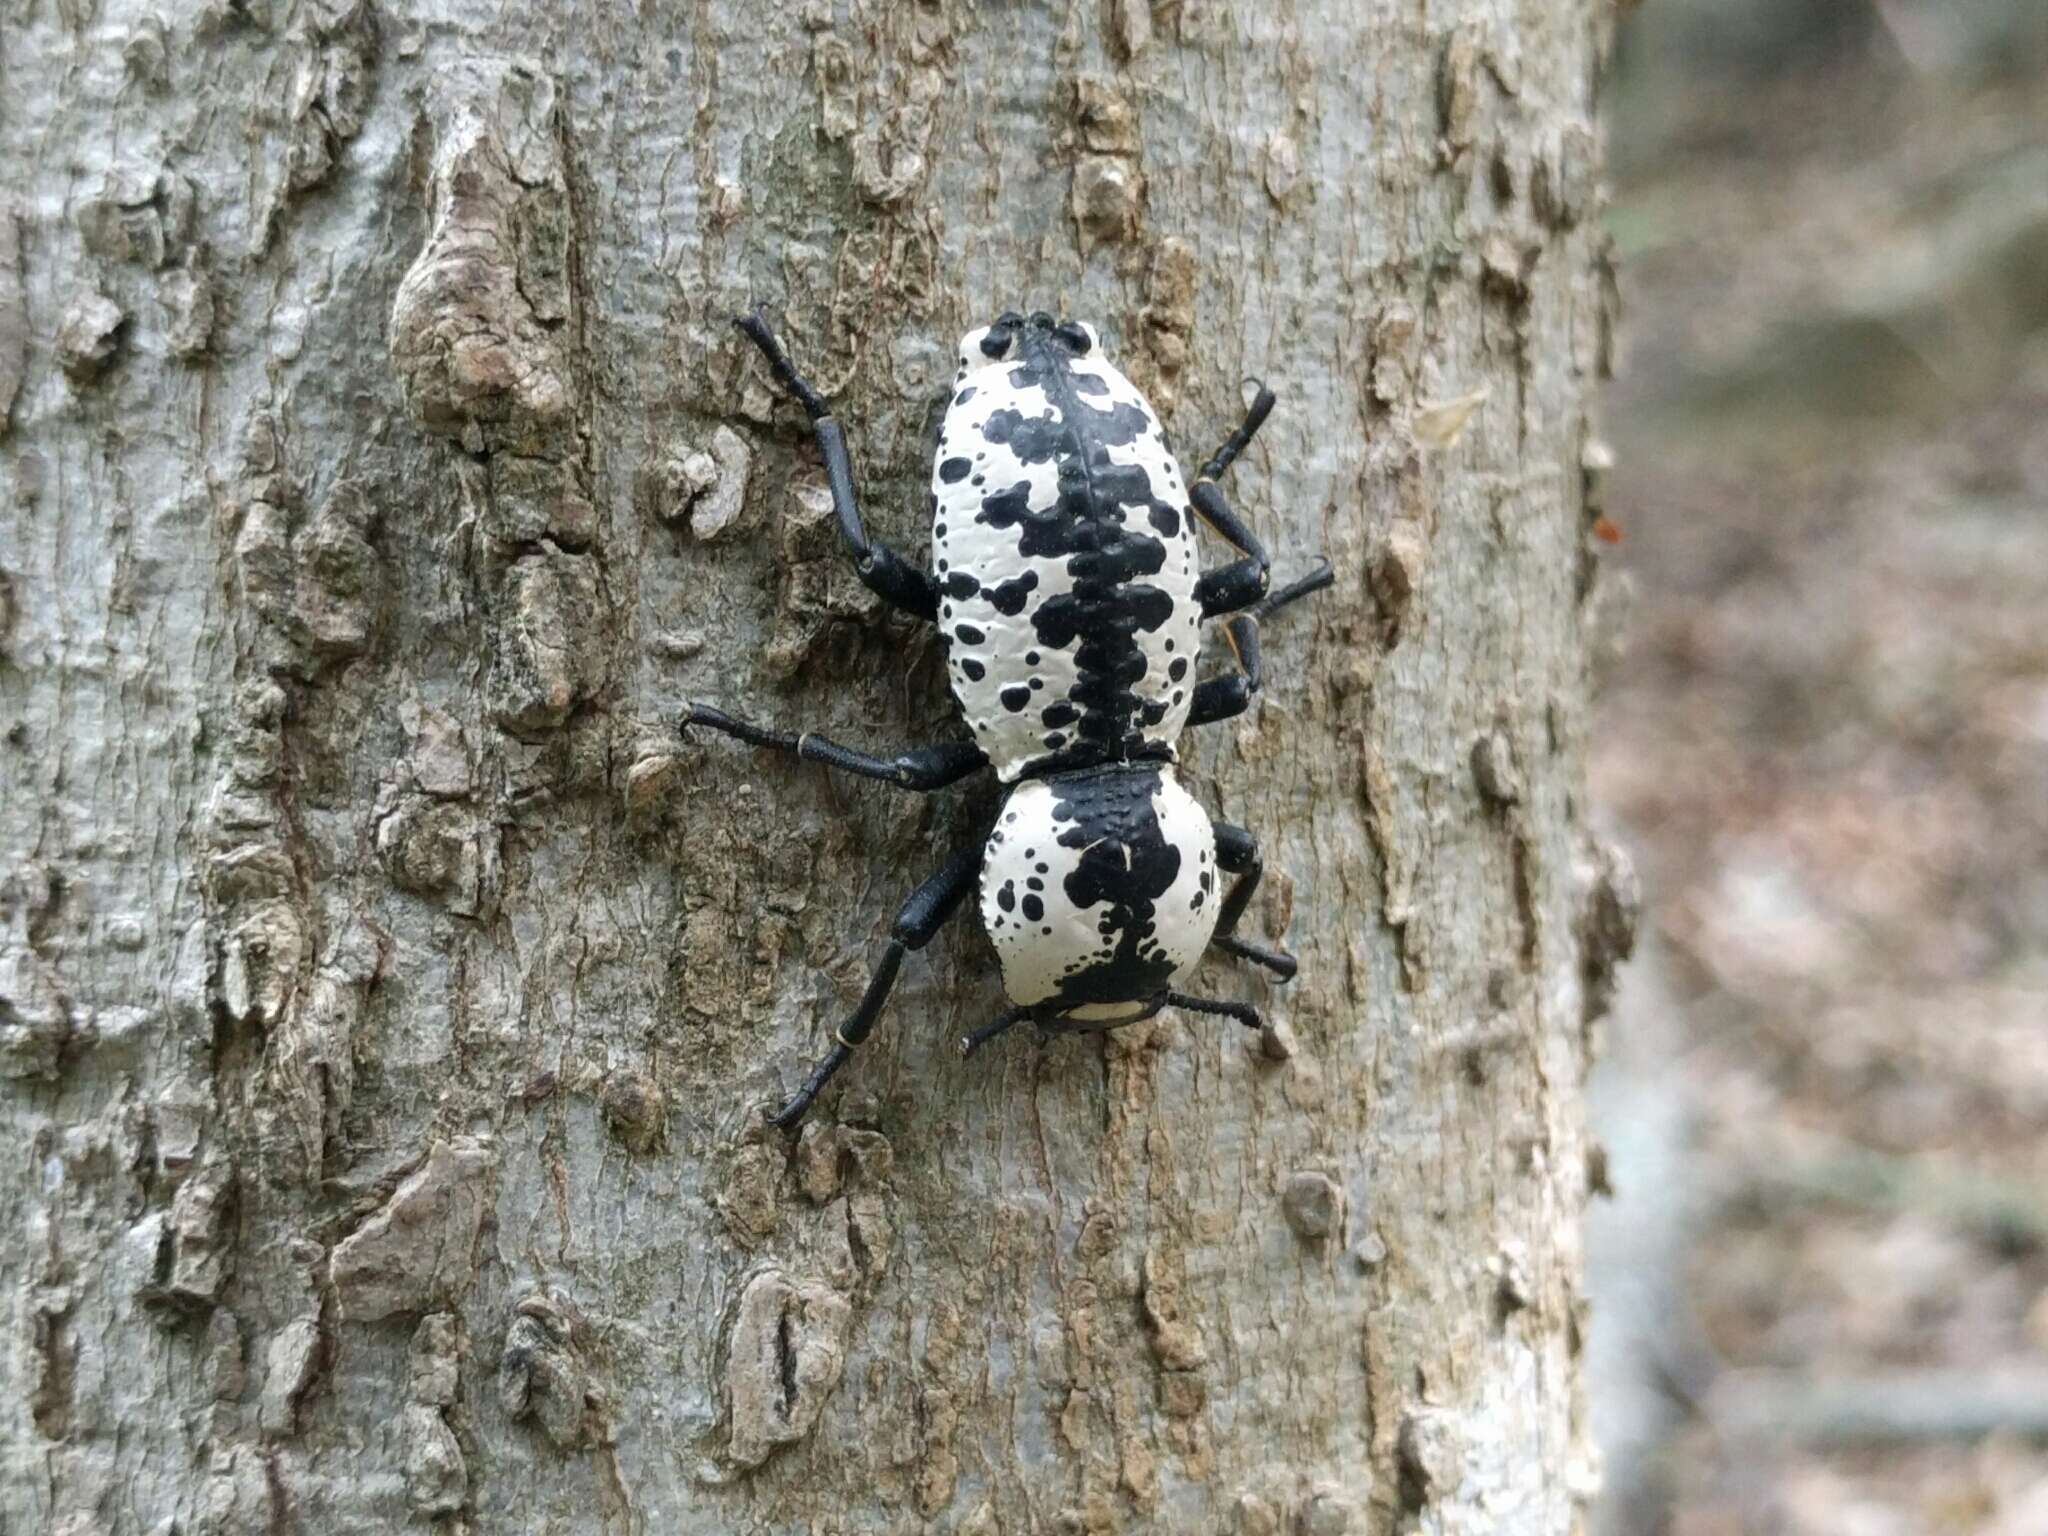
column 388, row 996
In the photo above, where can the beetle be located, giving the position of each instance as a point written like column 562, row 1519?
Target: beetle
column 1066, row 580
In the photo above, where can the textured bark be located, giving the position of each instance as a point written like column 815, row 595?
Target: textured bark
column 387, row 996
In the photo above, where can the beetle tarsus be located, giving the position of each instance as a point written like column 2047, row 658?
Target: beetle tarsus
column 1278, row 961
column 969, row 1044
column 1244, row 1013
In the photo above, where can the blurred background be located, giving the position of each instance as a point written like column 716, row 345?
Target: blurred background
column 1821, row 1287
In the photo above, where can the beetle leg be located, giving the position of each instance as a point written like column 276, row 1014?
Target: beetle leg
column 1242, row 583
column 1221, row 698
column 969, row 1044
column 1238, row 585
column 922, row 916
column 1244, row 1013
column 1324, row 575
column 917, row 768
column 1254, row 418
column 887, row 574
column 1237, row 853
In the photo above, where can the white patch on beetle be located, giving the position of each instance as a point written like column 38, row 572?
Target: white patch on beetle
column 1185, row 917
column 1035, row 951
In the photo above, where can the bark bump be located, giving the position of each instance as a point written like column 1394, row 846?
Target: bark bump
column 786, row 1353
column 419, row 1249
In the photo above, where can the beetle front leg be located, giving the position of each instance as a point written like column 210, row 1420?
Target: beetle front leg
column 922, row 916
column 884, row 572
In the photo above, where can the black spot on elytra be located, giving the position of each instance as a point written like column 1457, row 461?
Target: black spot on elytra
column 1179, row 669
column 1006, row 898
column 1033, row 439
column 1016, row 697
column 1011, row 508
column 975, row 670
column 1034, row 909
column 1167, row 521
column 968, row 634
column 963, row 397
column 1008, row 597
column 954, row 470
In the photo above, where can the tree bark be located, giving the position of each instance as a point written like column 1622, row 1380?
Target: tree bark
column 388, row 996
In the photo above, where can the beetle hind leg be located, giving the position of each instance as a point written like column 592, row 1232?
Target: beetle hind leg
column 1278, row 961
column 1244, row 1013
column 923, row 914
column 1237, row 853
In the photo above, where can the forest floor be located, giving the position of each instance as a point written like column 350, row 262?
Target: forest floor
column 1826, row 741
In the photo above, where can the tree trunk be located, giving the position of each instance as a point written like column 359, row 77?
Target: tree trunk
column 388, row 995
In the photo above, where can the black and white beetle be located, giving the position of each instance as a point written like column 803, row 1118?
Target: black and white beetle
column 1065, row 581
